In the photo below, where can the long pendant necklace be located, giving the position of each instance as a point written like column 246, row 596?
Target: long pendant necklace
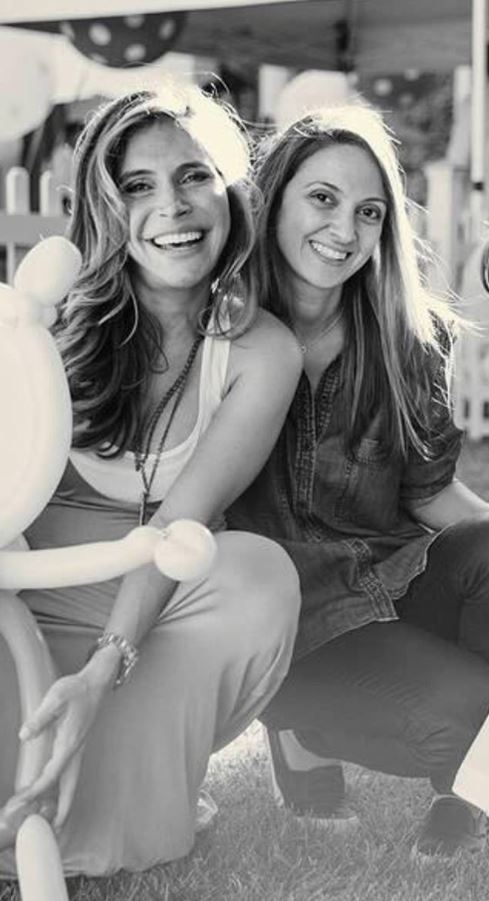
column 142, row 448
column 305, row 346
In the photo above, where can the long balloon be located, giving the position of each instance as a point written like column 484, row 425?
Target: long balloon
column 35, row 674
column 34, row 446
column 34, row 395
column 183, row 551
column 38, row 862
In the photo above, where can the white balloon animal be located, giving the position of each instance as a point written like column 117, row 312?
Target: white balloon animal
column 35, row 411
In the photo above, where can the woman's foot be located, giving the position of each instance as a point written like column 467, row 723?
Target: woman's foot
column 306, row 784
column 451, row 824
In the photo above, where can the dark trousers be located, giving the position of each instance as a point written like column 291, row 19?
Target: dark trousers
column 404, row 697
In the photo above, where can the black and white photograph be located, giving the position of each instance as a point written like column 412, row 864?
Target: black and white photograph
column 244, row 450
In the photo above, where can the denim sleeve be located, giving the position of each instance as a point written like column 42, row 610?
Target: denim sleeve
column 425, row 476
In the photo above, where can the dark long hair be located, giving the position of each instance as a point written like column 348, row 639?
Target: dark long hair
column 109, row 343
column 396, row 332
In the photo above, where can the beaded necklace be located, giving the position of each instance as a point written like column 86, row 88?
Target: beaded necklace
column 141, row 450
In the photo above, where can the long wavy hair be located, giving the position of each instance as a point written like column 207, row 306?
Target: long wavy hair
column 110, row 344
column 396, row 332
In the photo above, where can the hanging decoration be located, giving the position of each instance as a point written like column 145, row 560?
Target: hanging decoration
column 122, row 41
column 310, row 90
column 25, row 89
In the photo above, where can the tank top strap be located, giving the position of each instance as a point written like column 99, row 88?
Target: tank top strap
column 215, row 361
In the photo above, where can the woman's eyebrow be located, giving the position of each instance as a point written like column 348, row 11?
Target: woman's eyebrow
column 374, row 199
column 194, row 164
column 187, row 164
column 130, row 172
column 327, row 184
column 324, row 184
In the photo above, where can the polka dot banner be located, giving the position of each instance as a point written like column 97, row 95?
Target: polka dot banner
column 121, row 41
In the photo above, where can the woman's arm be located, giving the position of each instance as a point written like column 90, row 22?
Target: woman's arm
column 430, row 492
column 264, row 368
column 265, row 365
column 449, row 506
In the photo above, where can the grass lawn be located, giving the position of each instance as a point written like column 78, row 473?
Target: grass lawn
column 257, row 852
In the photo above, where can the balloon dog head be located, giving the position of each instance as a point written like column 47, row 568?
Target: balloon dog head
column 34, row 396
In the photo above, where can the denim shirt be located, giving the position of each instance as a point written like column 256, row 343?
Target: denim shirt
column 341, row 516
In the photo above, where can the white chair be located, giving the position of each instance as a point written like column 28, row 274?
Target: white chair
column 35, row 438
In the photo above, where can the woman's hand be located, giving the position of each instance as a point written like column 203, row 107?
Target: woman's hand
column 69, row 707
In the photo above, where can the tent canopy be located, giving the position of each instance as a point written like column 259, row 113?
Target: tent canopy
column 368, row 35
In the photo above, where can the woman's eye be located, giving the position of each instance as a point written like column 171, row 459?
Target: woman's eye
column 196, row 175
column 323, row 198
column 371, row 213
column 135, row 187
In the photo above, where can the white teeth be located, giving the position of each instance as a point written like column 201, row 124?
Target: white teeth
column 328, row 252
column 177, row 239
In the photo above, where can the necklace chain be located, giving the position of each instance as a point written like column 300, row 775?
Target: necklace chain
column 142, row 448
column 305, row 346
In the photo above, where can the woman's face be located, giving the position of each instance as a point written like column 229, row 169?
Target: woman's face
column 177, row 205
column 330, row 218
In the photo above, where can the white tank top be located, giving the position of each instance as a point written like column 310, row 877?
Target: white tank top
column 118, row 479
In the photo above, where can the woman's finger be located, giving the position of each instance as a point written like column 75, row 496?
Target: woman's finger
column 48, row 778
column 15, row 811
column 67, row 786
column 47, row 711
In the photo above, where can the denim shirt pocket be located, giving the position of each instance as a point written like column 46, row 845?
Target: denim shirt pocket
column 369, row 486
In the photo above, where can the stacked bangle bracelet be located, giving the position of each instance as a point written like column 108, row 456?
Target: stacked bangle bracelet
column 129, row 654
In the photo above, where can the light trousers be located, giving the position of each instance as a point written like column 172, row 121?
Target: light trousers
column 219, row 652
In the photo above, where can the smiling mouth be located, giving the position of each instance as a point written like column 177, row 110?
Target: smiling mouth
column 178, row 240
column 327, row 253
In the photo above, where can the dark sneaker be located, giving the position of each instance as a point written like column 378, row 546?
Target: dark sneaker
column 318, row 794
column 450, row 824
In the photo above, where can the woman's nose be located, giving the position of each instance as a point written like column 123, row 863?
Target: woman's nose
column 343, row 225
column 171, row 202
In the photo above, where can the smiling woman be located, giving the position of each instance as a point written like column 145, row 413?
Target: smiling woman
column 360, row 489
column 177, row 207
column 170, row 421
column 328, row 229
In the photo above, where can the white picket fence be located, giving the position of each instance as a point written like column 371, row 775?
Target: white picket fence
column 20, row 227
column 471, row 386
column 457, row 266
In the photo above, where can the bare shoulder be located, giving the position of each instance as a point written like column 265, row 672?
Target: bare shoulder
column 268, row 344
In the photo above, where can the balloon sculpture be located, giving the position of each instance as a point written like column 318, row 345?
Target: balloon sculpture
column 34, row 444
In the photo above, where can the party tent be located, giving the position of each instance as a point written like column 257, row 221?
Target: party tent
column 368, row 35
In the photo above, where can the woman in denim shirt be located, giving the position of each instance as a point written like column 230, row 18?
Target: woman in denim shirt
column 392, row 654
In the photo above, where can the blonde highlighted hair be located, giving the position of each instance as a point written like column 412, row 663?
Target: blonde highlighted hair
column 396, row 331
column 109, row 343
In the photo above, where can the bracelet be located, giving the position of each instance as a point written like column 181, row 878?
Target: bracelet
column 129, row 654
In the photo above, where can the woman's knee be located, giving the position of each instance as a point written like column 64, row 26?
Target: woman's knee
column 258, row 585
column 247, row 605
column 241, row 618
column 250, row 601
column 464, row 545
column 450, row 711
column 462, row 566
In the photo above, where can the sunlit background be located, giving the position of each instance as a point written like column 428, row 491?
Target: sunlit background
column 424, row 64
